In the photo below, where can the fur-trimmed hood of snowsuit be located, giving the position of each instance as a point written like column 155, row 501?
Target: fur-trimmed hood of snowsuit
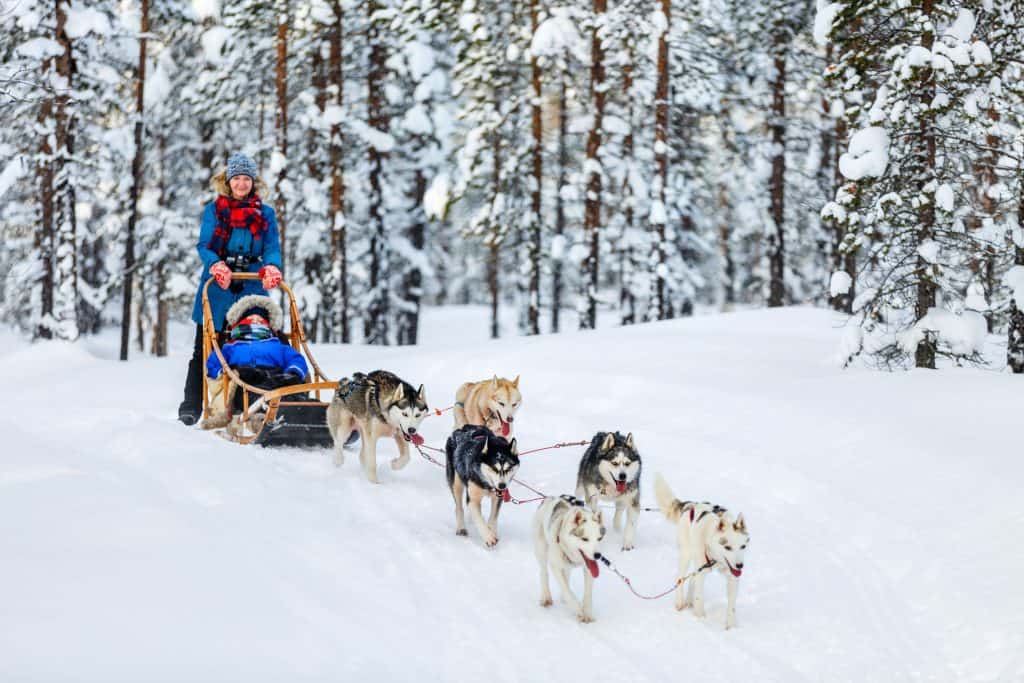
column 219, row 184
column 239, row 308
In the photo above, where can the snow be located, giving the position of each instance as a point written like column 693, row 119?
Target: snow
column 555, row 35
column 929, row 251
column 840, row 283
column 826, row 14
column 1014, row 279
column 962, row 28
column 379, row 140
column 981, row 53
column 435, row 199
column 206, row 8
column 944, row 197
column 13, row 171
column 868, row 154
column 84, row 20
column 962, row 333
column 213, row 41
column 40, row 48
column 882, row 510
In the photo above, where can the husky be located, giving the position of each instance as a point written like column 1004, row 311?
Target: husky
column 567, row 535
column 707, row 534
column 610, row 470
column 479, row 464
column 376, row 405
column 492, row 403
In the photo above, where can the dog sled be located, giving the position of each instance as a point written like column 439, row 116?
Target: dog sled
column 282, row 416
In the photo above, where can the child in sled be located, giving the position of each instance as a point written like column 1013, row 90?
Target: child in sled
column 256, row 353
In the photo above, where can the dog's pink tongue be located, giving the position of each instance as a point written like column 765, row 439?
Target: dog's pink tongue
column 591, row 565
column 506, row 496
column 505, row 429
column 620, row 486
column 416, row 439
column 735, row 572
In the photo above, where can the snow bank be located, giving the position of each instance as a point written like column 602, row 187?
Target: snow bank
column 962, row 333
column 868, row 154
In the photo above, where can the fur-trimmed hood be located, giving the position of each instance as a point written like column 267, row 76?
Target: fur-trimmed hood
column 239, row 308
column 219, row 184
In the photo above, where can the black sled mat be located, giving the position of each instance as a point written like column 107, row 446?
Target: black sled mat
column 298, row 427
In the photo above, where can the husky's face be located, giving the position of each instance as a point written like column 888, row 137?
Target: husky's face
column 499, row 462
column 729, row 543
column 504, row 400
column 406, row 410
column 585, row 535
column 620, row 463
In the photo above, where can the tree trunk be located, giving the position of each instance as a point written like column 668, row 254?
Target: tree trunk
column 412, row 284
column 627, row 297
column 136, row 189
column 339, row 256
column 493, row 243
column 44, row 237
column 659, row 303
column 66, row 292
column 592, row 204
column 281, row 127
column 924, row 356
column 376, row 324
column 776, row 243
column 563, row 164
column 536, row 218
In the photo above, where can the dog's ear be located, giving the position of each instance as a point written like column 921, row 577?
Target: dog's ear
column 578, row 519
column 599, row 520
column 494, row 382
column 486, row 441
column 609, row 442
column 721, row 524
column 629, row 442
column 740, row 525
column 515, row 382
column 399, row 393
column 513, row 448
column 422, row 393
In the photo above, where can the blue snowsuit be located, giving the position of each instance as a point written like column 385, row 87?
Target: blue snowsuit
column 241, row 242
column 266, row 353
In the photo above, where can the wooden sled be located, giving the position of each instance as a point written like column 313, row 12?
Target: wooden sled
column 268, row 420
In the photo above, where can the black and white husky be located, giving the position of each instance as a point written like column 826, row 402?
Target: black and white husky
column 610, row 470
column 479, row 464
column 567, row 535
column 707, row 535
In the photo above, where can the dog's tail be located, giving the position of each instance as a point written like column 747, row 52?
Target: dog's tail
column 669, row 505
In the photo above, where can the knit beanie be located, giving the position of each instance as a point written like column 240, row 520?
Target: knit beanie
column 240, row 164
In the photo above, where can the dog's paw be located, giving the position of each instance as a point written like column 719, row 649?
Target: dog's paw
column 584, row 618
column 546, row 601
column 461, row 532
column 491, row 540
column 699, row 612
column 339, row 459
column 626, row 547
column 400, row 462
column 680, row 606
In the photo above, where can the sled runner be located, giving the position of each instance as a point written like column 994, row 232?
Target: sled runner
column 282, row 416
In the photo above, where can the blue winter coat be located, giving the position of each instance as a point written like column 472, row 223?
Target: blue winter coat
column 240, row 242
column 267, row 353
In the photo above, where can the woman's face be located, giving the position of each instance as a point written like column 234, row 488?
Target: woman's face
column 241, row 186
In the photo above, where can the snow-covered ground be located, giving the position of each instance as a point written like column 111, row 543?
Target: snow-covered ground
column 884, row 511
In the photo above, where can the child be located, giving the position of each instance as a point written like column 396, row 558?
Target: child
column 255, row 352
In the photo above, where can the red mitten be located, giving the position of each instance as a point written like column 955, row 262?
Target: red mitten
column 271, row 276
column 221, row 273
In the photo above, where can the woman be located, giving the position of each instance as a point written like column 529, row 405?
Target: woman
column 238, row 234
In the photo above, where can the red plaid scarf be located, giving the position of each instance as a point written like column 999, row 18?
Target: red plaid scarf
column 236, row 213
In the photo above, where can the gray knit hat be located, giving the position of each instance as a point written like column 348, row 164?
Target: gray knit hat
column 239, row 164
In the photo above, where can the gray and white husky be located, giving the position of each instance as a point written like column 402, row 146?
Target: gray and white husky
column 479, row 464
column 705, row 533
column 610, row 470
column 376, row 405
column 567, row 535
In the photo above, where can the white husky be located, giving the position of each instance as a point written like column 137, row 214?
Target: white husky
column 706, row 533
column 566, row 535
